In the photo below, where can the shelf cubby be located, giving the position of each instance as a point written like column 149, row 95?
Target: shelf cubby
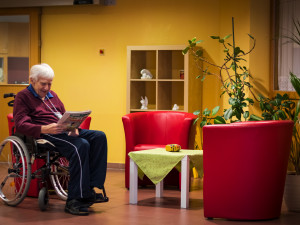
column 170, row 93
column 141, row 89
column 142, row 60
column 170, row 62
column 165, row 88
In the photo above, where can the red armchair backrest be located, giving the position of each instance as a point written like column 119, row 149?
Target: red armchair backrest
column 86, row 123
column 245, row 142
column 158, row 127
column 251, row 159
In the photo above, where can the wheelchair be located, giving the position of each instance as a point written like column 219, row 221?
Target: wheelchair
column 17, row 155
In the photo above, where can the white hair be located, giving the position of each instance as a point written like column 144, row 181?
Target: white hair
column 42, row 70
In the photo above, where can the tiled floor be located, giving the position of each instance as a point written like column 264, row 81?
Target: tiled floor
column 117, row 211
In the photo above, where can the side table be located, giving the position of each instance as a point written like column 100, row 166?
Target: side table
column 157, row 163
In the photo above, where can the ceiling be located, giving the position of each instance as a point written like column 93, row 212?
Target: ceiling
column 40, row 3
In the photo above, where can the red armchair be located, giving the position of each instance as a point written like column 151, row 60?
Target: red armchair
column 156, row 129
column 245, row 166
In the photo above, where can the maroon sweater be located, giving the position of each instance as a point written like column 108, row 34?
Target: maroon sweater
column 30, row 113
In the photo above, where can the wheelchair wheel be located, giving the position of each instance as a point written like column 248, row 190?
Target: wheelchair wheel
column 60, row 177
column 43, row 199
column 15, row 170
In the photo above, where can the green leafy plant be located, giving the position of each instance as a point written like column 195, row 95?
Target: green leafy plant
column 295, row 148
column 233, row 75
column 281, row 107
column 284, row 108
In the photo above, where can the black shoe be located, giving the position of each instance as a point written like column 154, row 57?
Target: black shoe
column 100, row 198
column 76, row 207
column 96, row 198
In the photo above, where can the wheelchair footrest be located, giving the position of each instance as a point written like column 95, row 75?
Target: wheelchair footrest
column 99, row 198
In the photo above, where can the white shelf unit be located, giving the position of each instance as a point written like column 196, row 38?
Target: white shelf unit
column 165, row 88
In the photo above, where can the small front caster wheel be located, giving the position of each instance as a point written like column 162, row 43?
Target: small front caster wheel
column 43, row 199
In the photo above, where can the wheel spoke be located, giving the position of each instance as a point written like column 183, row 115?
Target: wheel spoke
column 15, row 171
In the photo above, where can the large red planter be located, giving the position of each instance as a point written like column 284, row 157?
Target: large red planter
column 245, row 168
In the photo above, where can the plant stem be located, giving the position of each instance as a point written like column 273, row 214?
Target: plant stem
column 233, row 45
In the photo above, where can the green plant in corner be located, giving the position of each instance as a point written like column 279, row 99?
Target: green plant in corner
column 284, row 108
column 234, row 78
column 295, row 148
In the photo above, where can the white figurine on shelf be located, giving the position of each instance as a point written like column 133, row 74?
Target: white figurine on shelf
column 175, row 107
column 144, row 103
column 146, row 74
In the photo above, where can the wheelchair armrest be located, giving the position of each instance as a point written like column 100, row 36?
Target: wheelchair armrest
column 44, row 145
column 44, row 142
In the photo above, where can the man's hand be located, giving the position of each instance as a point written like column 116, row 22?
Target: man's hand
column 53, row 128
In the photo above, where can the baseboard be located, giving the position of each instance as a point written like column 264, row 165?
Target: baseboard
column 116, row 166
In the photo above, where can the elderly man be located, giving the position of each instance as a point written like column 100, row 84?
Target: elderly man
column 37, row 110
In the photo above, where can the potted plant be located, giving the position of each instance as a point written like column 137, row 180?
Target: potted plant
column 284, row 108
column 234, row 78
column 225, row 137
column 292, row 184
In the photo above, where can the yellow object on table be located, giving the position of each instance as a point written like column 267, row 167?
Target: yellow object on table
column 173, row 148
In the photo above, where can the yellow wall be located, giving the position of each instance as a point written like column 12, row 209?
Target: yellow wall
column 260, row 59
column 73, row 35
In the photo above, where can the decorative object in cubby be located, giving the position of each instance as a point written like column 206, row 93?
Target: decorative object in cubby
column 144, row 103
column 146, row 74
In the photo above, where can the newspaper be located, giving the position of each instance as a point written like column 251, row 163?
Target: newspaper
column 74, row 119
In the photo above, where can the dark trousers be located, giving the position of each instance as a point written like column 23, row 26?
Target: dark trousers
column 87, row 156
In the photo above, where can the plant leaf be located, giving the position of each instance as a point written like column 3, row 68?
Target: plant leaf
column 219, row 120
column 246, row 114
column 227, row 36
column 215, row 37
column 228, row 114
column 206, row 112
column 195, row 121
column 184, row 51
column 215, row 110
column 297, row 111
column 202, row 124
column 197, row 112
column 295, row 82
column 250, row 36
column 255, row 118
